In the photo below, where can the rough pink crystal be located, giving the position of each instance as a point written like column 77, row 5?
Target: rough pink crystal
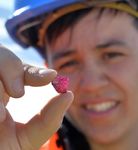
column 61, row 83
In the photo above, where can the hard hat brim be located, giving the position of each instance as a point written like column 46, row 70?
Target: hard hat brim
column 25, row 14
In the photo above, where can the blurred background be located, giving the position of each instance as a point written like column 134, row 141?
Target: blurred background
column 24, row 108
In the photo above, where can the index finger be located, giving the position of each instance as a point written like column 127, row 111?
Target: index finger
column 42, row 126
column 11, row 73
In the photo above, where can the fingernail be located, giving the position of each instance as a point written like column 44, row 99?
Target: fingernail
column 47, row 71
column 70, row 95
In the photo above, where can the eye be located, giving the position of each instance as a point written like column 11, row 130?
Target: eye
column 112, row 55
column 69, row 64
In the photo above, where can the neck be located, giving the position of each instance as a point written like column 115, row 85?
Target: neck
column 124, row 143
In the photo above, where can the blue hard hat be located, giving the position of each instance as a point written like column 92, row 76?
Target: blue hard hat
column 28, row 16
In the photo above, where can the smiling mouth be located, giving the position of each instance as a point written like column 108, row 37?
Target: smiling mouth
column 101, row 107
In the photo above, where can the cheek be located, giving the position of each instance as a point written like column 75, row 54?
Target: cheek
column 74, row 82
column 125, row 76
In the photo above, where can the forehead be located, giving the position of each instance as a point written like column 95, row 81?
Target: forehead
column 108, row 24
column 96, row 25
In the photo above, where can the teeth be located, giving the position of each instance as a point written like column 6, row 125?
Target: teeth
column 101, row 107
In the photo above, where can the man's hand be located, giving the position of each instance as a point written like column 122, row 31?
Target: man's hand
column 14, row 75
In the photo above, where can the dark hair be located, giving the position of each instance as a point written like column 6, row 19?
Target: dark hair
column 68, row 20
column 63, row 23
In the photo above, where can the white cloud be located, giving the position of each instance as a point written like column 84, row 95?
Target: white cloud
column 23, row 109
column 3, row 33
column 7, row 4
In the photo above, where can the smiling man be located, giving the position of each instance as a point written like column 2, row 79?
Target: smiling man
column 95, row 44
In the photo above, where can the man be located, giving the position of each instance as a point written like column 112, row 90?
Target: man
column 95, row 44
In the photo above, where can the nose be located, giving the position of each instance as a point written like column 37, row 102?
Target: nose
column 93, row 79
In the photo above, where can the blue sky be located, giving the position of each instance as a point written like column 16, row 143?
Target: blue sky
column 7, row 3
column 29, row 55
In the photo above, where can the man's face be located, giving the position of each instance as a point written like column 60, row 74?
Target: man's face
column 100, row 56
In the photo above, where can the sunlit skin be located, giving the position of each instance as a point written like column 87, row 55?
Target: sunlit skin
column 100, row 56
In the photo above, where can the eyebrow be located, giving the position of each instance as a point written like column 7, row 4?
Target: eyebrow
column 101, row 46
column 62, row 54
column 110, row 43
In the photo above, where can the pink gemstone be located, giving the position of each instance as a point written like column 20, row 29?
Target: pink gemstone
column 61, row 83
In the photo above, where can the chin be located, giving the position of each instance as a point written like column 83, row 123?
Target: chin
column 105, row 138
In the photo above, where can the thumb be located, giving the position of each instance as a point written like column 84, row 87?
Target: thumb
column 36, row 76
column 42, row 126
